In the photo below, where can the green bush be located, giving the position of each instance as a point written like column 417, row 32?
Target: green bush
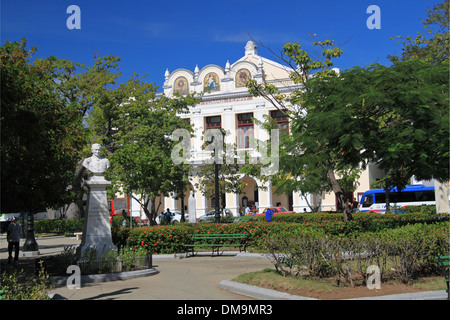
column 313, row 244
column 403, row 253
column 59, row 226
column 23, row 286
column 426, row 209
column 171, row 239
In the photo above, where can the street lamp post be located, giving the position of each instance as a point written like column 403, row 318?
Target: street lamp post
column 216, row 178
column 216, row 190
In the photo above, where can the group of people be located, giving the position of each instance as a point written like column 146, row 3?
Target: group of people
column 268, row 212
column 250, row 211
column 352, row 205
column 165, row 217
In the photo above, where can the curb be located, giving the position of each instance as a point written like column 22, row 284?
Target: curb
column 236, row 254
column 59, row 281
column 268, row 294
column 424, row 295
column 257, row 292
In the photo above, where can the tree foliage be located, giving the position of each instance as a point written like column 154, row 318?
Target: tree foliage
column 433, row 44
column 141, row 163
column 308, row 162
column 395, row 116
column 41, row 132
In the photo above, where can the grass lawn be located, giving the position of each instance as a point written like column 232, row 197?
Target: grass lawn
column 327, row 289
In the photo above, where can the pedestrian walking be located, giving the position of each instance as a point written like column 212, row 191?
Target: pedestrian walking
column 13, row 238
column 168, row 216
column 269, row 214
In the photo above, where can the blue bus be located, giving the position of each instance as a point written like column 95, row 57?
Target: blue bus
column 413, row 195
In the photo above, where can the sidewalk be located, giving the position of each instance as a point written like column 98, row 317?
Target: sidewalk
column 195, row 278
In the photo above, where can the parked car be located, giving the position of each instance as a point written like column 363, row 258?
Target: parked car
column 211, row 215
column 277, row 210
column 175, row 217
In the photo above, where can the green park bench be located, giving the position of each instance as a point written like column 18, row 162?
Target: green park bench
column 444, row 263
column 216, row 241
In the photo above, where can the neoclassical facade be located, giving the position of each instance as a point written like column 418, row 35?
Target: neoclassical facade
column 226, row 104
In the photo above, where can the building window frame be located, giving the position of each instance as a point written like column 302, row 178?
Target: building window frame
column 281, row 119
column 213, row 122
column 245, row 127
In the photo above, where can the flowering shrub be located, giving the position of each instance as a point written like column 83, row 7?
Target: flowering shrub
column 171, row 239
column 402, row 253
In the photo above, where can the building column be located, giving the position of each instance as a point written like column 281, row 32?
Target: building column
column 260, row 133
column 232, row 203
column 170, row 202
column 227, row 125
column 299, row 201
column 201, row 203
column 264, row 196
column 196, row 148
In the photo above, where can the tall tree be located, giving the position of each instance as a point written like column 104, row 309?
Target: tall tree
column 141, row 164
column 307, row 161
column 41, row 133
column 395, row 116
column 93, row 90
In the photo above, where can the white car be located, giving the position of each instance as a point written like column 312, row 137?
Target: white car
column 211, row 215
column 175, row 217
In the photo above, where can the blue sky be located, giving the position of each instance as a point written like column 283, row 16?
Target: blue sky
column 150, row 36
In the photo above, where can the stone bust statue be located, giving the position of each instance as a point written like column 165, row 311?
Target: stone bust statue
column 95, row 163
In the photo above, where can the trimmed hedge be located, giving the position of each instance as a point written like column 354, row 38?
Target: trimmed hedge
column 170, row 239
column 321, row 244
column 59, row 226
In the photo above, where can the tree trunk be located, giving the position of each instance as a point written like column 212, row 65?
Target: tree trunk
column 149, row 214
column 75, row 209
column 337, row 189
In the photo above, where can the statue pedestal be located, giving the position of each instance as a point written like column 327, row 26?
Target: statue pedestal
column 97, row 229
column 192, row 209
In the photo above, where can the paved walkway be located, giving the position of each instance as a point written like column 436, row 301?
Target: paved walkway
column 178, row 279
column 193, row 278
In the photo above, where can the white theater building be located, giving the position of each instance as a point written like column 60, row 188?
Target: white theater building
column 227, row 104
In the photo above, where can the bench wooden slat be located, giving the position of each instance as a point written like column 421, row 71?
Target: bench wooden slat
column 443, row 260
column 444, row 263
column 220, row 240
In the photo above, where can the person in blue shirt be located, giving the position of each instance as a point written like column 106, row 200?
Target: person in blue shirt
column 269, row 214
column 168, row 216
